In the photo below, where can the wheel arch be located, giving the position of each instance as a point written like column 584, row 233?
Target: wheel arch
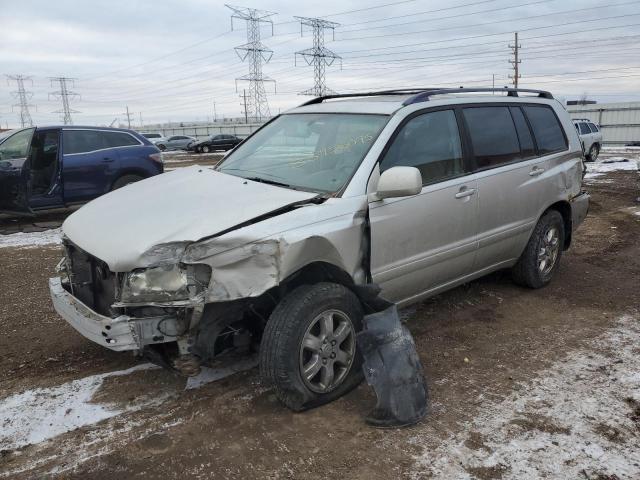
column 129, row 171
column 564, row 208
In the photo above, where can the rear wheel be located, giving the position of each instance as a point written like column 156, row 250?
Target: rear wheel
column 594, row 151
column 308, row 350
column 205, row 149
column 541, row 257
column 162, row 147
column 125, row 180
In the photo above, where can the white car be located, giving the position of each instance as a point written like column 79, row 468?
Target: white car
column 412, row 192
column 590, row 137
column 154, row 138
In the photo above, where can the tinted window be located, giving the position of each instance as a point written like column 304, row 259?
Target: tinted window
column 593, row 128
column 527, row 147
column 584, row 129
column 493, row 136
column 429, row 142
column 119, row 139
column 81, row 141
column 546, row 129
column 151, row 135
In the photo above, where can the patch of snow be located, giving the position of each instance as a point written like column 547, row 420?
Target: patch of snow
column 598, row 169
column 572, row 421
column 32, row 239
column 43, row 413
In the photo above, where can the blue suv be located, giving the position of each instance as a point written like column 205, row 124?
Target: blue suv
column 53, row 167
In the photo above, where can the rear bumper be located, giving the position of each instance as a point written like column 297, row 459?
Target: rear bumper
column 579, row 208
column 119, row 334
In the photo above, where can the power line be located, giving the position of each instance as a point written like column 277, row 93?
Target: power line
column 319, row 56
column 65, row 95
column 257, row 53
column 23, row 98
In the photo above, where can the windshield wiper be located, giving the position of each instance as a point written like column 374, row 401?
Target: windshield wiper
column 270, row 182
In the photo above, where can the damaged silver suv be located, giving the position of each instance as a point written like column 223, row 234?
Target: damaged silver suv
column 412, row 191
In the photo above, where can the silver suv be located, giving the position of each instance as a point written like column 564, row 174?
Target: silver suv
column 414, row 191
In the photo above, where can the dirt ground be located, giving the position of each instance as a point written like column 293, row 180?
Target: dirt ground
column 523, row 383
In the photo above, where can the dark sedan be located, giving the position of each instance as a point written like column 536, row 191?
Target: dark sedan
column 215, row 142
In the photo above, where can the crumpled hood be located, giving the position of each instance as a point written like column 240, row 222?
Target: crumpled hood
column 180, row 206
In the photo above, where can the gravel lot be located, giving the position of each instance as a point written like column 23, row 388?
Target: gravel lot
column 524, row 384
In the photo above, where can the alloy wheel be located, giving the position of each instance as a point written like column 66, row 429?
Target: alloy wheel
column 549, row 248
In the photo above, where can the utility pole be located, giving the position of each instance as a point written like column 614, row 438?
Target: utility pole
column 215, row 116
column 140, row 113
column 244, row 105
column 65, row 95
column 319, row 56
column 23, row 98
column 256, row 52
column 516, row 61
column 128, row 117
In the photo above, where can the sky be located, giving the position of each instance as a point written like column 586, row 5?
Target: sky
column 171, row 60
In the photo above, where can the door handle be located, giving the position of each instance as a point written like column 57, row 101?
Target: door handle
column 465, row 192
column 536, row 171
column 107, row 159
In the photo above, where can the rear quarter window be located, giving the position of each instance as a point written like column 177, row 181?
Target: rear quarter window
column 119, row 139
column 593, row 128
column 546, row 129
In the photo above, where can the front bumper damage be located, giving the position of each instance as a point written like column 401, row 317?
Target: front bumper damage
column 121, row 333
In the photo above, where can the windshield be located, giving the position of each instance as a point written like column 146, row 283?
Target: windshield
column 307, row 151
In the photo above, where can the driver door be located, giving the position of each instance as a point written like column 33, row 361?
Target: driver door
column 15, row 173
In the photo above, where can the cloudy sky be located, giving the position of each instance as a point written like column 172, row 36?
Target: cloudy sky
column 171, row 60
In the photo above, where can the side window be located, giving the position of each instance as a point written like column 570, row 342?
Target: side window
column 527, row 147
column 546, row 129
column 118, row 139
column 431, row 143
column 593, row 127
column 81, row 141
column 493, row 136
column 584, row 129
column 17, row 145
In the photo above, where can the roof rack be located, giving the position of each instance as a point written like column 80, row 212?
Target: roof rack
column 423, row 94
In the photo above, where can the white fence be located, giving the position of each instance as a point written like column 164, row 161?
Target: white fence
column 619, row 122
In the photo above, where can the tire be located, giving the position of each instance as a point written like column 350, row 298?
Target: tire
column 161, row 147
column 125, row 180
column 545, row 245
column 205, row 149
column 283, row 356
column 594, row 151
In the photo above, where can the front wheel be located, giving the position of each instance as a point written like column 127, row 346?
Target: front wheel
column 205, row 149
column 541, row 257
column 308, row 350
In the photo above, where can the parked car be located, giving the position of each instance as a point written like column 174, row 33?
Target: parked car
column 590, row 137
column 53, row 167
column 155, row 138
column 215, row 142
column 412, row 192
column 177, row 142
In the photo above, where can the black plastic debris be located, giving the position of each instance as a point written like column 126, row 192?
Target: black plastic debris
column 392, row 367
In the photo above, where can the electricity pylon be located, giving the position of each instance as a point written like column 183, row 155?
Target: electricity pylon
column 23, row 99
column 319, row 56
column 65, row 95
column 256, row 53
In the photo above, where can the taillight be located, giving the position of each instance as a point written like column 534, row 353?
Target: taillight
column 157, row 157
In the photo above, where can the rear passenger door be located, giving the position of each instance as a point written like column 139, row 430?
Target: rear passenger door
column 426, row 241
column 89, row 164
column 127, row 150
column 511, row 180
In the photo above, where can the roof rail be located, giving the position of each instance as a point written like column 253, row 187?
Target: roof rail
column 399, row 91
column 423, row 94
column 511, row 92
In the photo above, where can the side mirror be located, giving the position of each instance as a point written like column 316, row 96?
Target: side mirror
column 399, row 182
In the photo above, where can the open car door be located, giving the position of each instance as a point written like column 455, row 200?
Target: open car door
column 14, row 171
